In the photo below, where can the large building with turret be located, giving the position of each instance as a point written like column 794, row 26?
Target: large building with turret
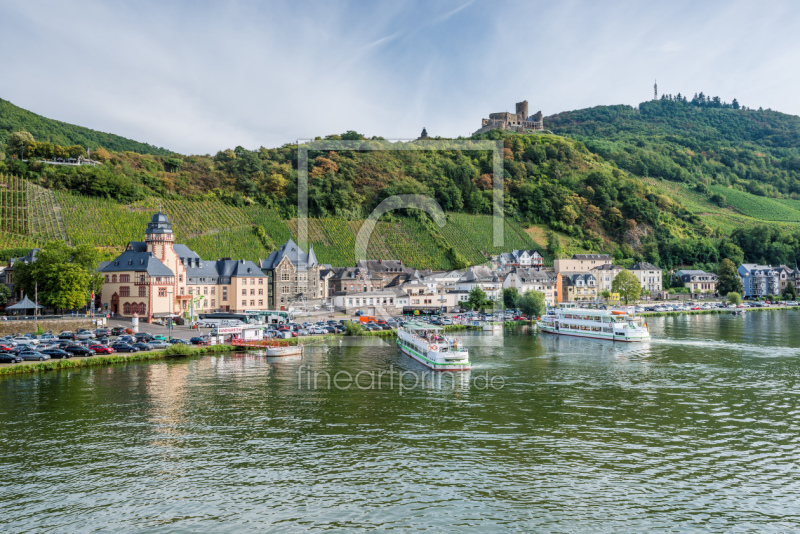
column 519, row 122
column 158, row 277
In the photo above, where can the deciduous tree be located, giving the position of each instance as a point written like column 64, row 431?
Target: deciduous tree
column 627, row 285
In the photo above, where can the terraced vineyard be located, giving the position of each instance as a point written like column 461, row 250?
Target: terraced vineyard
column 766, row 209
column 31, row 215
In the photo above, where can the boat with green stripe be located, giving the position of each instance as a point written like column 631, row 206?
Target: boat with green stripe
column 428, row 345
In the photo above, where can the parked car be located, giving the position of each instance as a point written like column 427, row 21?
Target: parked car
column 117, row 331
column 142, row 346
column 84, row 334
column 25, row 341
column 47, row 338
column 101, row 349
column 159, row 337
column 143, row 337
column 100, row 332
column 124, row 347
column 158, row 344
column 56, row 353
column 32, row 356
column 79, row 350
column 178, row 341
column 20, row 347
column 197, row 340
column 9, row 358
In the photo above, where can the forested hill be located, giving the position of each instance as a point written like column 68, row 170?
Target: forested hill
column 14, row 118
column 702, row 140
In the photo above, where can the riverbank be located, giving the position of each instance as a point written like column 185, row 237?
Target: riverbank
column 714, row 311
column 108, row 359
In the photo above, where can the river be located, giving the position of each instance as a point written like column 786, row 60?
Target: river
column 696, row 430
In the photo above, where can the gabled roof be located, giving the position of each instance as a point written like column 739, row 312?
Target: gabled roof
column 644, row 266
column 242, row 268
column 293, row 253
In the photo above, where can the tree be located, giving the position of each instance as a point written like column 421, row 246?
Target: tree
column 627, row 285
column 790, row 293
column 20, row 144
column 734, row 298
column 63, row 276
column 477, row 298
column 728, row 278
column 606, row 294
column 532, row 304
column 510, row 297
column 5, row 294
column 553, row 243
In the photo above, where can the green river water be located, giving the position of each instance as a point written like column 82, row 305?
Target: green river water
column 697, row 430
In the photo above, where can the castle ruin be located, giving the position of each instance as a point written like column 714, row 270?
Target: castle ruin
column 519, row 122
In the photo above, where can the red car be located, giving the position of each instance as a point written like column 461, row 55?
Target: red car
column 101, row 349
column 5, row 348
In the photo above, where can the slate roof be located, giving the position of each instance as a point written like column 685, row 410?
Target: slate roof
column 239, row 268
column 138, row 262
column 294, row 253
column 591, row 257
column 645, row 266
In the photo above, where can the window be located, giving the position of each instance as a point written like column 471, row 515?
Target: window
column 180, row 278
column 224, row 293
column 126, row 308
column 162, row 291
column 244, row 292
column 244, row 281
column 261, row 281
column 205, row 291
column 142, row 308
column 252, row 281
column 244, row 303
column 213, row 303
column 252, row 303
column 285, row 290
column 212, row 290
column 124, row 278
column 285, row 276
column 114, row 278
column 260, row 291
column 124, row 291
column 181, row 291
column 106, row 278
column 142, row 291
column 252, row 291
column 260, row 302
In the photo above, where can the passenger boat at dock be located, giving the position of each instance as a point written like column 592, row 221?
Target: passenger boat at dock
column 429, row 346
column 614, row 325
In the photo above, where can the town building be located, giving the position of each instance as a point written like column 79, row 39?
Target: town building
column 697, row 281
column 605, row 275
column 157, row 277
column 294, row 277
column 578, row 287
column 519, row 122
column 760, row 280
column 532, row 280
column 650, row 277
column 581, row 263
column 520, row 258
column 481, row 277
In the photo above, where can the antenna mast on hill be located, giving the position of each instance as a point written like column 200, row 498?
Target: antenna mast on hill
column 655, row 90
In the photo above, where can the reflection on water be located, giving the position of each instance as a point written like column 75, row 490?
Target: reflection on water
column 697, row 429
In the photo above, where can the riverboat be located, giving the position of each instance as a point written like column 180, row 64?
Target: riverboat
column 429, row 346
column 614, row 325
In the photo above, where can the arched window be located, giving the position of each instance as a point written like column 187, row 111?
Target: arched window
column 127, row 308
column 142, row 308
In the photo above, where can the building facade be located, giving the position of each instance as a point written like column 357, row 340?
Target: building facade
column 760, row 280
column 157, row 277
column 294, row 275
column 697, row 282
column 581, row 263
column 650, row 277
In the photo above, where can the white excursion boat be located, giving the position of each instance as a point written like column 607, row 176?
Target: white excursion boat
column 614, row 325
column 429, row 346
column 287, row 350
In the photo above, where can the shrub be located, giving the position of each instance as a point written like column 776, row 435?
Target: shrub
column 353, row 329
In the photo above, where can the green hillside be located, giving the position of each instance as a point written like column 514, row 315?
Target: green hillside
column 33, row 215
column 13, row 119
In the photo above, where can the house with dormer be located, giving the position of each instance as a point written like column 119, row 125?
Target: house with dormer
column 295, row 276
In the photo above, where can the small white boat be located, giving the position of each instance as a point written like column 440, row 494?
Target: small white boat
column 286, row 350
column 429, row 346
column 616, row 325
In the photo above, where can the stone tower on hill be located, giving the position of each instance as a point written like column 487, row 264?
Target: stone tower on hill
column 519, row 122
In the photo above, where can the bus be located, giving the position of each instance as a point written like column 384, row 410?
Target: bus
column 218, row 318
column 271, row 316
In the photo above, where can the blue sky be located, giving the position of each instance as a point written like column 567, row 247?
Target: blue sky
column 198, row 77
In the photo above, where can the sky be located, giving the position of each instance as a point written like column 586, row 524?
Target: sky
column 197, row 77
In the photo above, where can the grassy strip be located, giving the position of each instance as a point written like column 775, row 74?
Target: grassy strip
column 710, row 312
column 171, row 352
column 457, row 327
